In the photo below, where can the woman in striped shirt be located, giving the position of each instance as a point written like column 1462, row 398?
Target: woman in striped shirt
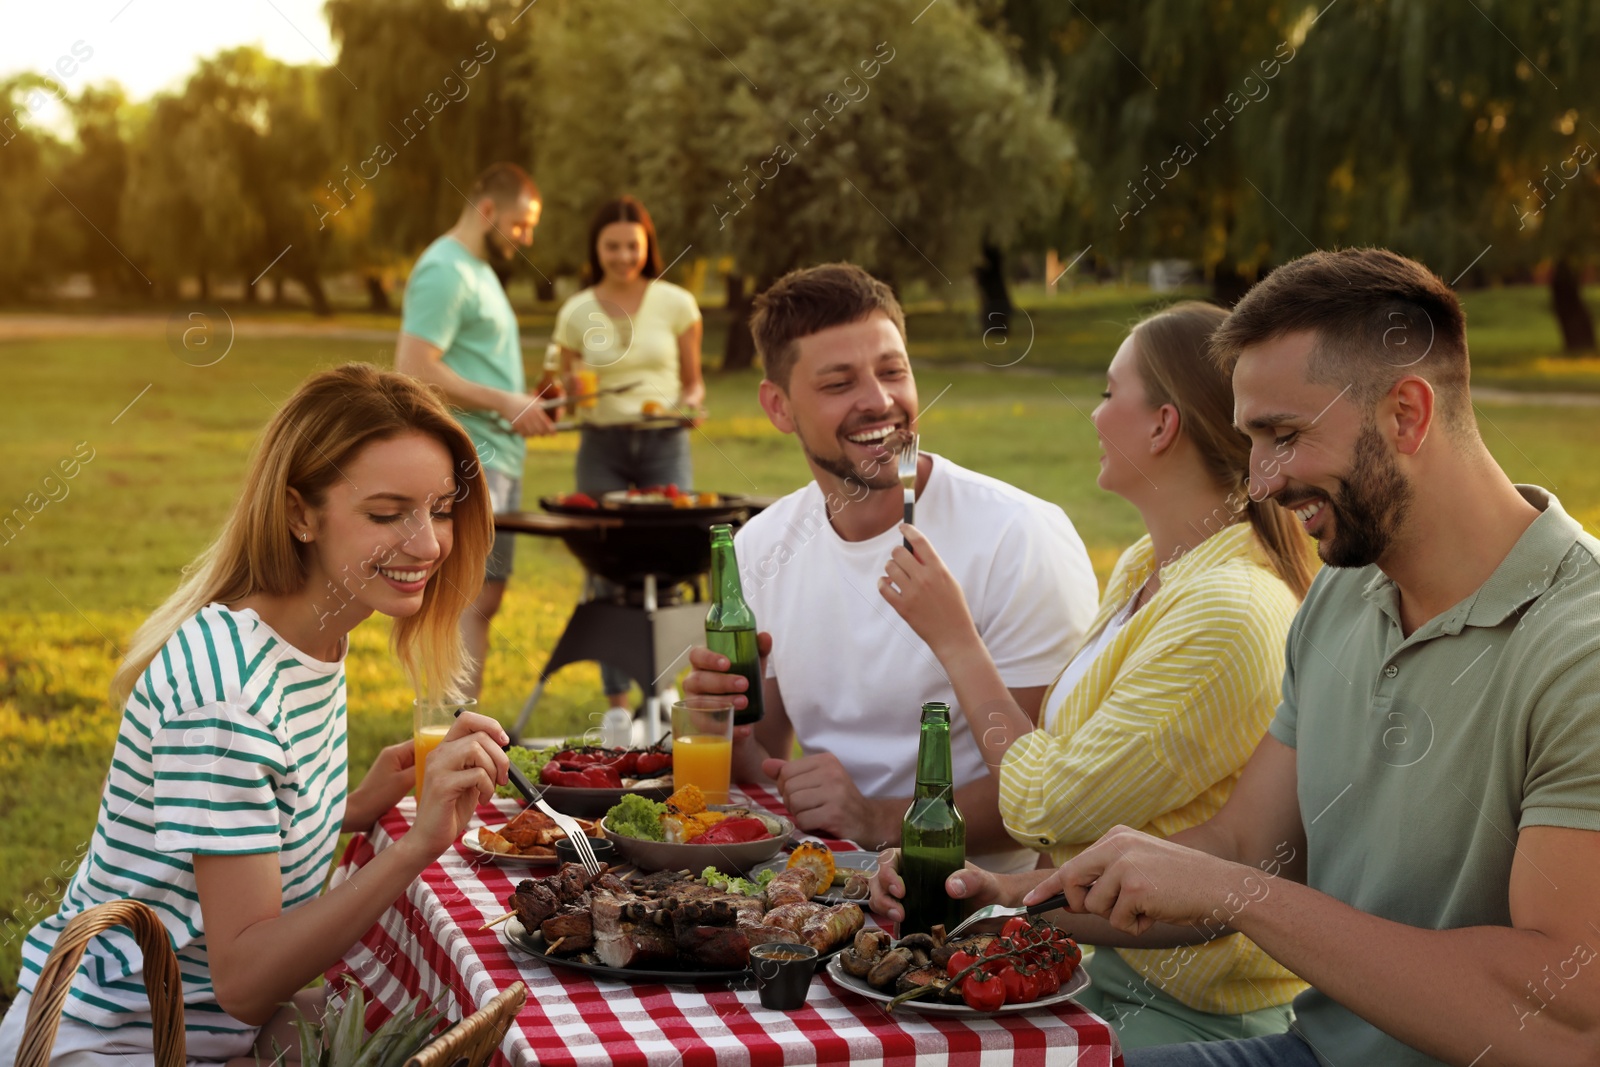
column 1152, row 720
column 227, row 787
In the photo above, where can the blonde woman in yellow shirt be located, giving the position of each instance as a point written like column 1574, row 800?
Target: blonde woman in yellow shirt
column 1152, row 720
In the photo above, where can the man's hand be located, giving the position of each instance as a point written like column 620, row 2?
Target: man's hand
column 526, row 417
column 821, row 796
column 1134, row 880
column 549, row 388
column 392, row 776
column 972, row 883
column 710, row 676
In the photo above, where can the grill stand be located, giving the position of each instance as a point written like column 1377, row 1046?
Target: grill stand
column 646, row 641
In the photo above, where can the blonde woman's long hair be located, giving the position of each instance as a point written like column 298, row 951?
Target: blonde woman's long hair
column 330, row 418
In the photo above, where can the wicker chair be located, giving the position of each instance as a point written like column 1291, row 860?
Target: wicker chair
column 472, row 1041
column 161, row 976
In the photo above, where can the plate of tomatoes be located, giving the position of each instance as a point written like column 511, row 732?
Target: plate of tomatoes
column 590, row 780
column 1030, row 964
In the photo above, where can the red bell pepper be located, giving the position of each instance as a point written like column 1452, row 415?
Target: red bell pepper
column 579, row 775
column 733, row 831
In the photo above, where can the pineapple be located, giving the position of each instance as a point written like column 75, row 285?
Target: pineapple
column 341, row 1040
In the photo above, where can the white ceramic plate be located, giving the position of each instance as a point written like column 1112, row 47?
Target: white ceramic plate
column 728, row 858
column 1075, row 985
column 469, row 841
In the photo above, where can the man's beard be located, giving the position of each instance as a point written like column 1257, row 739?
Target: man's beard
column 872, row 474
column 1369, row 507
column 502, row 253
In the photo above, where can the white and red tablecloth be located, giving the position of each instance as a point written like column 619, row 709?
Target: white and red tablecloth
column 431, row 942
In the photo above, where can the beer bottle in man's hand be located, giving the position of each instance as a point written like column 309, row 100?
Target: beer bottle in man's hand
column 731, row 625
column 933, row 837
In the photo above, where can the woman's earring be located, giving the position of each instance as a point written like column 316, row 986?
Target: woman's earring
column 305, row 537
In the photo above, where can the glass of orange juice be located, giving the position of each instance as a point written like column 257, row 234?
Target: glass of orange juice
column 588, row 384
column 702, row 745
column 430, row 722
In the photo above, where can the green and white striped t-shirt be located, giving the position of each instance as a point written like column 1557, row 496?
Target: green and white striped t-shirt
column 233, row 742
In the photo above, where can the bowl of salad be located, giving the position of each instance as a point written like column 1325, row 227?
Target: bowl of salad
column 683, row 833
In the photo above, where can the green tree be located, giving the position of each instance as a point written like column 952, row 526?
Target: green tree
column 82, row 216
column 443, row 91
column 1462, row 140
column 224, row 178
column 1175, row 108
column 781, row 133
column 26, row 155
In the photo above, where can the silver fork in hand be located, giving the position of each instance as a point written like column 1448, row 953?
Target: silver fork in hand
column 906, row 460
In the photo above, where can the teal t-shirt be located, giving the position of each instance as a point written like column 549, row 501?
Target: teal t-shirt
column 454, row 302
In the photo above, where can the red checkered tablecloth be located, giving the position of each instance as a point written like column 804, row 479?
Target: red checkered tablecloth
column 430, row 942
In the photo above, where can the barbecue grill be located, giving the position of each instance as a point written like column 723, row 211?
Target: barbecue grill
column 658, row 556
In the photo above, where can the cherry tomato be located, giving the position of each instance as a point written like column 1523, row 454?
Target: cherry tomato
column 1015, row 926
column 959, row 961
column 983, row 992
column 1049, row 981
column 1020, row 987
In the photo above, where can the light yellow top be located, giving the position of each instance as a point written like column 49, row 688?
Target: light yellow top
column 1155, row 733
column 641, row 349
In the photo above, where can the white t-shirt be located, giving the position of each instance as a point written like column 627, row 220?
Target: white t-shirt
column 854, row 675
column 1056, row 698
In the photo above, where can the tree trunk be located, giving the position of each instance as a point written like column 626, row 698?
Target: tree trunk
column 377, row 294
column 252, row 292
column 205, row 286
column 994, row 299
column 544, row 290
column 739, row 352
column 313, row 287
column 1228, row 285
column 1572, row 314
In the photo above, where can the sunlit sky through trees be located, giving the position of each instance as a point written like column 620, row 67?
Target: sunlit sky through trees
column 149, row 45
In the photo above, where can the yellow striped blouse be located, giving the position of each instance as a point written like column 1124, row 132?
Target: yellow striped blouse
column 1155, row 734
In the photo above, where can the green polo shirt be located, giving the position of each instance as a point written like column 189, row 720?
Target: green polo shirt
column 1420, row 758
column 455, row 303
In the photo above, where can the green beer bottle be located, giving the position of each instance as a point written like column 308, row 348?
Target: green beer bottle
column 731, row 625
column 933, row 837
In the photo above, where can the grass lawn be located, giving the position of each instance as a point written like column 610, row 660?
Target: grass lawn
column 83, row 572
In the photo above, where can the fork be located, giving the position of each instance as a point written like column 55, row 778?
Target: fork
column 1000, row 911
column 580, row 840
column 575, row 834
column 906, row 460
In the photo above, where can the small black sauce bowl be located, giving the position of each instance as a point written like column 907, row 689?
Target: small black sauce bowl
column 604, row 850
column 783, row 983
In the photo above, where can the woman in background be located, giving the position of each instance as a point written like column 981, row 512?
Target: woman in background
column 629, row 329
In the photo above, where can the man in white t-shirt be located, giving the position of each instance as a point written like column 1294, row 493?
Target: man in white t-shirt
column 844, row 673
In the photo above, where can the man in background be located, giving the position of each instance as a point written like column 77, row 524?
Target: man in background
column 459, row 332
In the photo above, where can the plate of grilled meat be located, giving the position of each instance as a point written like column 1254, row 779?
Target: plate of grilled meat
column 669, row 926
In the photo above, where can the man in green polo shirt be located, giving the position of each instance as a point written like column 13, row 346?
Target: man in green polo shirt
column 1419, row 835
column 458, row 332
